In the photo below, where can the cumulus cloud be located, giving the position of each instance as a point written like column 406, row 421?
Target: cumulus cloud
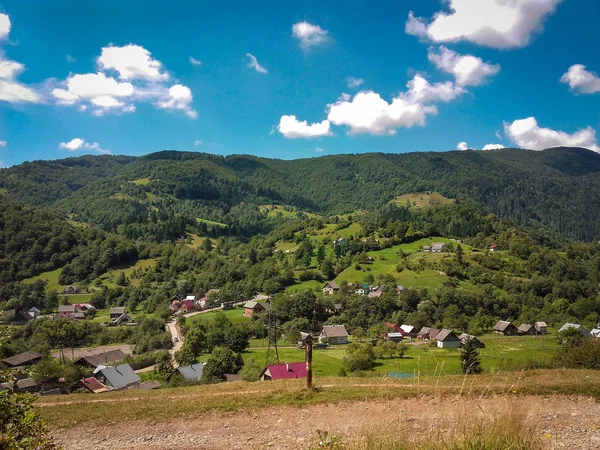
column 498, row 134
column 462, row 146
column 80, row 144
column 253, row 64
column 526, row 133
column 581, row 80
column 292, row 128
column 493, row 147
column 309, row 35
column 4, row 26
column 492, row 23
column 11, row 90
column 367, row 112
column 179, row 97
column 354, row 82
column 468, row 70
column 126, row 75
column 131, row 62
column 195, row 62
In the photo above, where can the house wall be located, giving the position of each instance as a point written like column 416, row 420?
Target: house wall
column 449, row 344
column 338, row 340
column 328, row 291
column 63, row 314
column 248, row 311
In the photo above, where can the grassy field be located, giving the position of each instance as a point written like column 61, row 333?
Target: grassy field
column 141, row 181
column 423, row 200
column 80, row 409
column 211, row 223
column 289, row 247
column 235, row 315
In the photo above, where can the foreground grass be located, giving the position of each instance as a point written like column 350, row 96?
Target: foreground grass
column 77, row 409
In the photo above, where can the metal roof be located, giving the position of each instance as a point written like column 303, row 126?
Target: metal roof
column 118, row 376
column 21, row 359
column 335, row 331
column 193, row 372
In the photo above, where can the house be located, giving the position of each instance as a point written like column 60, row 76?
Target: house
column 70, row 290
column 526, row 329
column 21, row 318
column 399, row 289
column 447, row 339
column 187, row 306
column 394, row 327
column 83, row 306
column 541, row 327
column 583, row 331
column 330, row 288
column 174, row 306
column 77, row 316
column 376, row 293
column 34, row 312
column 190, row 297
column 595, row 332
column 252, row 307
column 427, row 248
column 361, row 289
column 23, row 359
column 121, row 376
column 192, row 372
column 335, row 334
column 493, row 248
column 64, row 311
column 28, row 385
column 93, row 385
column 394, row 337
column 505, row 328
column 115, row 313
column 408, row 331
column 101, row 359
column 438, row 247
column 427, row 333
column 122, row 319
column 284, row 371
column 469, row 337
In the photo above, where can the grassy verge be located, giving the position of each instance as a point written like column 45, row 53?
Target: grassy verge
column 80, row 409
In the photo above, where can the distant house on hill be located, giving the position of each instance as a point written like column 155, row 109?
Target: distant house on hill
column 447, row 339
column 541, row 327
column 427, row 248
column 284, row 371
column 77, row 316
column 65, row 311
column 361, row 289
column 117, row 377
column 115, row 313
column 330, row 288
column 493, row 248
column 399, row 289
column 408, row 331
column 526, row 329
column 187, row 306
column 34, row 312
column 101, row 359
column 335, row 334
column 27, row 358
column 394, row 336
column 438, row 247
column 252, row 307
column 376, row 293
column 192, row 372
column 505, row 328
column 582, row 331
column 70, row 290
column 19, row 317
column 427, row 333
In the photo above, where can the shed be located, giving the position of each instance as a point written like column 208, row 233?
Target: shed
column 115, row 313
column 526, row 329
column 28, row 385
column 330, row 288
column 505, row 328
column 541, row 327
column 447, row 339
column 23, row 359
column 21, row 317
column 335, row 334
column 121, row 376
column 284, row 371
column 469, row 337
column 427, row 333
column 251, row 307
column 394, row 337
column 77, row 316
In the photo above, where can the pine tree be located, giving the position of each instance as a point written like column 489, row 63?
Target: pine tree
column 470, row 362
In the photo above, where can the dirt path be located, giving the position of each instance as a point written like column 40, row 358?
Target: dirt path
column 87, row 351
column 561, row 422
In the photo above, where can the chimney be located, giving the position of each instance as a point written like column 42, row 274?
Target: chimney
column 287, row 367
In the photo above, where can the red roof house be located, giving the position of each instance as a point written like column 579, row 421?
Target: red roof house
column 186, row 306
column 284, row 371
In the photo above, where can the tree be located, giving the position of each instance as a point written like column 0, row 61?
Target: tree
column 222, row 361
column 459, row 254
column 185, row 356
column 570, row 338
column 470, row 362
column 164, row 365
column 359, row 357
column 207, row 245
column 251, row 370
column 121, row 280
column 359, row 334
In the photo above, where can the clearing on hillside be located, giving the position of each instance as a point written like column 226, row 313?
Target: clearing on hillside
column 423, row 200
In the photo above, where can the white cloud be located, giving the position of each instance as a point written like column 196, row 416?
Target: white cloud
column 493, row 147
column 131, row 62
column 197, row 143
column 80, row 144
column 462, row 146
column 70, row 59
column 499, row 134
column 4, row 26
column 319, row 150
column 491, row 23
column 580, row 80
column 354, row 82
column 140, row 78
column 367, row 112
column 292, row 128
column 2, row 143
column 527, row 134
column 11, row 90
column 195, row 62
column 255, row 65
column 468, row 70
column 179, row 97
column 309, row 35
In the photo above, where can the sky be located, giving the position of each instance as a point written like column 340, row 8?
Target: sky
column 296, row 79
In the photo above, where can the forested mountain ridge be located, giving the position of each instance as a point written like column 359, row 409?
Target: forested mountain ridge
column 555, row 189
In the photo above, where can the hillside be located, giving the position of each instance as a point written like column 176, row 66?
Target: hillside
column 556, row 189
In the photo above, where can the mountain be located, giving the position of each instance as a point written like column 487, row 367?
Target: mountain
column 556, row 189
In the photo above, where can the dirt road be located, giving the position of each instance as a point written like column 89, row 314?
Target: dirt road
column 560, row 422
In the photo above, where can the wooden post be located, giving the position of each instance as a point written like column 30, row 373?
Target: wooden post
column 309, row 347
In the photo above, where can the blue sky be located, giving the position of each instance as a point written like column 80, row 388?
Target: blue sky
column 134, row 77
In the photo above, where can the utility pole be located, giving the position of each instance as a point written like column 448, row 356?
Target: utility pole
column 309, row 346
column 272, row 351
